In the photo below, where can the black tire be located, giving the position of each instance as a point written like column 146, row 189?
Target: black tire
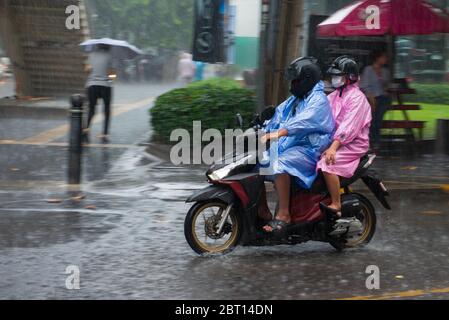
column 370, row 228
column 192, row 238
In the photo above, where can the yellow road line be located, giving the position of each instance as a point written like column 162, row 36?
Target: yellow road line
column 409, row 185
column 31, row 183
column 47, row 185
column 64, row 144
column 423, row 177
column 61, row 131
column 445, row 188
column 403, row 294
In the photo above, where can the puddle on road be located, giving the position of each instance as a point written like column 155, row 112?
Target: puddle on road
column 137, row 174
column 137, row 186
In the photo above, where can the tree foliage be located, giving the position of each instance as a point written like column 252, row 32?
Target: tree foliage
column 146, row 23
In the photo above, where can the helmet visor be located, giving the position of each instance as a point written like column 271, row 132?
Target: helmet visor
column 334, row 71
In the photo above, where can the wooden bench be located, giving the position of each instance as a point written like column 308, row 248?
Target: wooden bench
column 406, row 107
column 405, row 124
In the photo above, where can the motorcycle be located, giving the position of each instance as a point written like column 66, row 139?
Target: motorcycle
column 226, row 213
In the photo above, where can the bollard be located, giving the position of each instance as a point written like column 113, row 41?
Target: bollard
column 442, row 140
column 76, row 136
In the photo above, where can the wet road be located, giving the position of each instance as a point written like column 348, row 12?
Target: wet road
column 126, row 233
column 131, row 245
column 6, row 87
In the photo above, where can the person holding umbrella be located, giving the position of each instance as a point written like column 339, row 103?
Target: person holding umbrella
column 99, row 86
column 102, row 53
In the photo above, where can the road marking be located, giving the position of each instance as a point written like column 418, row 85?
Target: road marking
column 432, row 213
column 403, row 294
column 65, row 145
column 47, row 185
column 49, row 135
column 445, row 188
column 61, row 131
column 31, row 183
column 410, row 185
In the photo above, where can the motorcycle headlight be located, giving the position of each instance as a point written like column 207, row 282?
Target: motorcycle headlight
column 225, row 171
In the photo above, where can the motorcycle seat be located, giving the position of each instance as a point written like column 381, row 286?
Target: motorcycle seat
column 365, row 164
column 319, row 186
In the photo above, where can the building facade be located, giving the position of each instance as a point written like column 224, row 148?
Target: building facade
column 245, row 19
column 44, row 52
column 423, row 58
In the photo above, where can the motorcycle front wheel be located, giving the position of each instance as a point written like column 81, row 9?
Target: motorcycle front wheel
column 202, row 224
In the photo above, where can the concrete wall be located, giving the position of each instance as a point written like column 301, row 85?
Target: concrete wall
column 45, row 55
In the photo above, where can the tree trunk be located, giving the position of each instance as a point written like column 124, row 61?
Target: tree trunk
column 280, row 44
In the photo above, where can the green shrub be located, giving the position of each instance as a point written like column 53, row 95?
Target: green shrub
column 429, row 93
column 224, row 83
column 213, row 102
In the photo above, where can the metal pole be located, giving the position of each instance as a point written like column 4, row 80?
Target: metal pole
column 442, row 141
column 392, row 56
column 263, row 46
column 76, row 133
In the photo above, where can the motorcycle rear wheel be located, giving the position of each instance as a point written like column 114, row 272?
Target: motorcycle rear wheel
column 194, row 225
column 368, row 215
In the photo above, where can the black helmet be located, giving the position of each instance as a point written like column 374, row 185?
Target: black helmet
column 345, row 65
column 304, row 73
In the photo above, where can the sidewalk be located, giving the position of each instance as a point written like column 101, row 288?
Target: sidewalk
column 33, row 146
column 123, row 93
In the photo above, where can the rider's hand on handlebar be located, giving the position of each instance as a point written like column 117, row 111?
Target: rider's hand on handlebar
column 274, row 136
column 265, row 138
column 269, row 137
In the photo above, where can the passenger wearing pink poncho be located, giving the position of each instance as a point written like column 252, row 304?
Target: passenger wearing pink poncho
column 352, row 114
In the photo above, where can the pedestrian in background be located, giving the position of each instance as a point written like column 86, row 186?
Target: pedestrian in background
column 199, row 70
column 374, row 83
column 99, row 86
column 186, row 68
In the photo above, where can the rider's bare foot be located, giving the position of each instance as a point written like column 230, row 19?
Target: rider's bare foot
column 282, row 218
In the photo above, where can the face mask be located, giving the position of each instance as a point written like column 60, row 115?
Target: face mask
column 338, row 81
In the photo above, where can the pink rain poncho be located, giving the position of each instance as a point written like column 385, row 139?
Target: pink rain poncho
column 352, row 114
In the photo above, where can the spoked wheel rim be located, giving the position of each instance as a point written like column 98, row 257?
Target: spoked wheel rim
column 367, row 221
column 205, row 224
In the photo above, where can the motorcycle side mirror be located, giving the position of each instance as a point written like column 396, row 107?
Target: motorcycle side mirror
column 256, row 120
column 239, row 120
column 268, row 113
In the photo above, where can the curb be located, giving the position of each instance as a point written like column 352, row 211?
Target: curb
column 161, row 151
column 34, row 112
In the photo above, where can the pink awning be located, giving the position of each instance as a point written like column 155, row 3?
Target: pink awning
column 381, row 17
